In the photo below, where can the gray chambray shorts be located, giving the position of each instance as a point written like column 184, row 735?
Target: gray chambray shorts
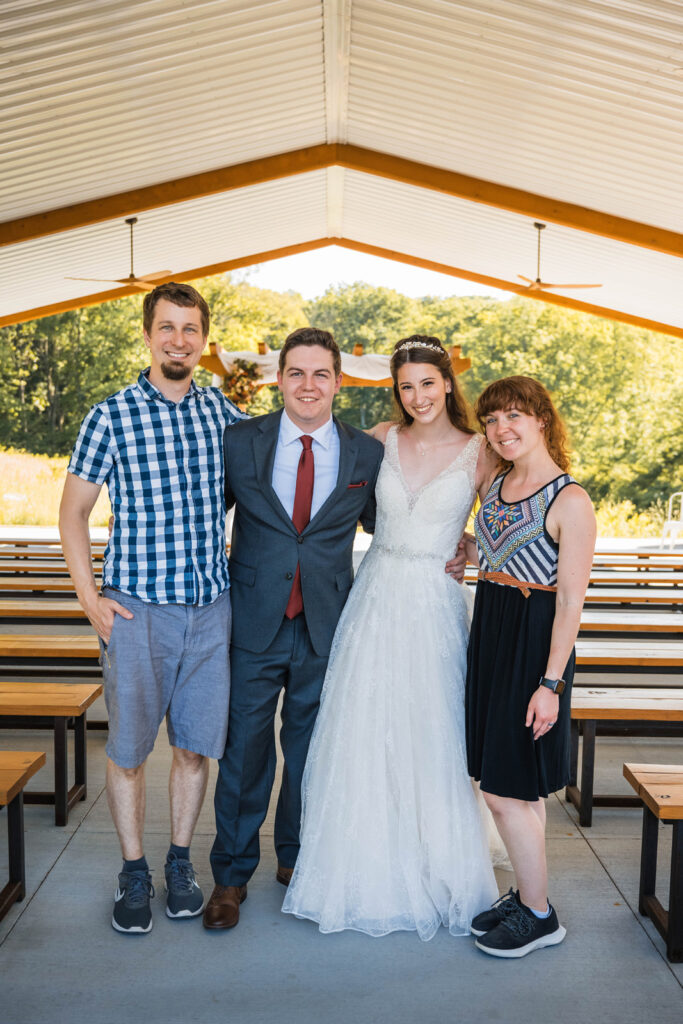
column 170, row 660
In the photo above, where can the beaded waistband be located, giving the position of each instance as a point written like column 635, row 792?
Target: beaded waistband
column 526, row 586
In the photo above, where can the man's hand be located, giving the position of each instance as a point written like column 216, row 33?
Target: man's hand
column 542, row 711
column 456, row 566
column 101, row 613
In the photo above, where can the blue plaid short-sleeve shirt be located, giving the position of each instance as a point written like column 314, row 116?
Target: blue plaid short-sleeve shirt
column 162, row 462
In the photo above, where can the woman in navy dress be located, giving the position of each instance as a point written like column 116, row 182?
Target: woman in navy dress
column 535, row 537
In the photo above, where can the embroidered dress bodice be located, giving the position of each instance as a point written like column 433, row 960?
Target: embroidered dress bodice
column 428, row 522
column 511, row 536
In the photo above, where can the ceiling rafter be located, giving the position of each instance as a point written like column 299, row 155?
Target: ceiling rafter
column 356, row 158
column 373, row 250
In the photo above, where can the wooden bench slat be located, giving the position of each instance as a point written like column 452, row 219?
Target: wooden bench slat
column 34, row 608
column 16, row 768
column 634, row 704
column 26, row 645
column 67, row 699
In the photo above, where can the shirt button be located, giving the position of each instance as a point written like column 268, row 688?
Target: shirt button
column 289, row 575
column 299, row 540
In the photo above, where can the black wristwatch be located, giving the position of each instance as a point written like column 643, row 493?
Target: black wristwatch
column 556, row 685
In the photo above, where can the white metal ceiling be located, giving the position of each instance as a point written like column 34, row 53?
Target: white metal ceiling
column 578, row 101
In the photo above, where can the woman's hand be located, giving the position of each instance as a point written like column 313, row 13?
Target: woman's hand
column 542, row 712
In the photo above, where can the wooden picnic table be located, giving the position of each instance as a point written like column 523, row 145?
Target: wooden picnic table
column 43, row 551
column 642, row 578
column 27, row 581
column 624, row 655
column 49, row 645
column 632, row 595
column 46, row 567
column 619, row 561
column 637, row 708
column 42, row 608
column 625, row 621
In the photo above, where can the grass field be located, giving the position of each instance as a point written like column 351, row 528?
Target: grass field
column 32, row 488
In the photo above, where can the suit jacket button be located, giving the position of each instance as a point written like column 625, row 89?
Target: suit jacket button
column 289, row 575
column 299, row 540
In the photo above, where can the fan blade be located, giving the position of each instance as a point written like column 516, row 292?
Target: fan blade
column 156, row 276
column 102, row 280
column 546, row 286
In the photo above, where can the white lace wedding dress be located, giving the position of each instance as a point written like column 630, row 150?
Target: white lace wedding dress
column 392, row 837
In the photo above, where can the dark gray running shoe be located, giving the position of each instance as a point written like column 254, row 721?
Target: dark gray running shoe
column 496, row 913
column 184, row 897
column 132, row 909
column 520, row 932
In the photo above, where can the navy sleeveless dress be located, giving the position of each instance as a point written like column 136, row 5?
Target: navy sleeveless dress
column 508, row 650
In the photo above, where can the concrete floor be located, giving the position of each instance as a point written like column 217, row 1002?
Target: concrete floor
column 61, row 961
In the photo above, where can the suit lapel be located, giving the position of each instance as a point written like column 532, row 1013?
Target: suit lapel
column 265, row 445
column 348, row 452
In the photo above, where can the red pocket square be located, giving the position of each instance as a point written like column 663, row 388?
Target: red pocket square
column 361, row 483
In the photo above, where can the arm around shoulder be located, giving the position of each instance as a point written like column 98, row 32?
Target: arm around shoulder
column 380, row 430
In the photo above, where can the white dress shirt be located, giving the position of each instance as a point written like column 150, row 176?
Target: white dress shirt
column 287, row 454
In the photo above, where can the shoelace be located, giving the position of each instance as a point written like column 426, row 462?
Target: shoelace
column 181, row 875
column 139, row 888
column 506, row 903
column 518, row 922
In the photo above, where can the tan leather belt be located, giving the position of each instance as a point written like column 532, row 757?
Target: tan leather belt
column 510, row 581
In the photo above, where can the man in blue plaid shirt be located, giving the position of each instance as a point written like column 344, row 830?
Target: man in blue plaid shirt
column 163, row 616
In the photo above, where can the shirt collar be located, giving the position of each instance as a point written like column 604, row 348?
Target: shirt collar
column 289, row 432
column 153, row 394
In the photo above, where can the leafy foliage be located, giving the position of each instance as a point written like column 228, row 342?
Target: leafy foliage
column 619, row 389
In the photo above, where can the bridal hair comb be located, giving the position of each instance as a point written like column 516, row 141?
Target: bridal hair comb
column 420, row 344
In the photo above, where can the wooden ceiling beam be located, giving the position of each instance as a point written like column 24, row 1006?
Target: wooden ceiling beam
column 373, row 250
column 511, row 286
column 355, row 158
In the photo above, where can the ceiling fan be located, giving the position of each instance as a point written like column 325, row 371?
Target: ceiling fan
column 539, row 285
column 144, row 284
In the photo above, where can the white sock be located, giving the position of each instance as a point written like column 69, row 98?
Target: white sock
column 541, row 914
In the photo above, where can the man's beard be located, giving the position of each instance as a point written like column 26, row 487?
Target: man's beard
column 175, row 371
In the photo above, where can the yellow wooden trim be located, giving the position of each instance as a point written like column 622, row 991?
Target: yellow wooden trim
column 367, row 161
column 373, row 250
column 511, row 286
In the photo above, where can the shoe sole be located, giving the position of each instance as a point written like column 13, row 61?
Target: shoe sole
column 474, row 931
column 183, row 913
column 224, row 927
column 514, row 954
column 135, row 930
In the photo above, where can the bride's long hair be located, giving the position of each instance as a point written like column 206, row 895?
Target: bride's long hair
column 421, row 348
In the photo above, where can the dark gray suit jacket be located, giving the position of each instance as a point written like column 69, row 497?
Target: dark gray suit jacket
column 266, row 545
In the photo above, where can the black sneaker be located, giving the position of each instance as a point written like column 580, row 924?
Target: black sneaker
column 520, row 932
column 184, row 897
column 496, row 913
column 132, row 910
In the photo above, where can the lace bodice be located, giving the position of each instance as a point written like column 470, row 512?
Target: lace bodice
column 429, row 522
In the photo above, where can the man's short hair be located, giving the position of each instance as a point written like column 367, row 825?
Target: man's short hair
column 179, row 295
column 311, row 336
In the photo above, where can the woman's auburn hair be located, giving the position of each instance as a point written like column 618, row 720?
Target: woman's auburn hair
column 531, row 397
column 422, row 348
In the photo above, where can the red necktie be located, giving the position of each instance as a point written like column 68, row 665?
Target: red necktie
column 301, row 515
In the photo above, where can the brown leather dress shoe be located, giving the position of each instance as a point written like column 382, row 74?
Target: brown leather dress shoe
column 284, row 875
column 223, row 908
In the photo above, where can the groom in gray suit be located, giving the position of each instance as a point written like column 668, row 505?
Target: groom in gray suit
column 300, row 480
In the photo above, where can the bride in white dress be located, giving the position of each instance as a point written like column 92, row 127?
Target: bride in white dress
column 392, row 836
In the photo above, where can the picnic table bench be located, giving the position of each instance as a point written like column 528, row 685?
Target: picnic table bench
column 25, row 705
column 27, row 608
column 16, row 768
column 628, row 655
column 22, row 582
column 660, row 790
column 624, row 622
column 631, row 706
